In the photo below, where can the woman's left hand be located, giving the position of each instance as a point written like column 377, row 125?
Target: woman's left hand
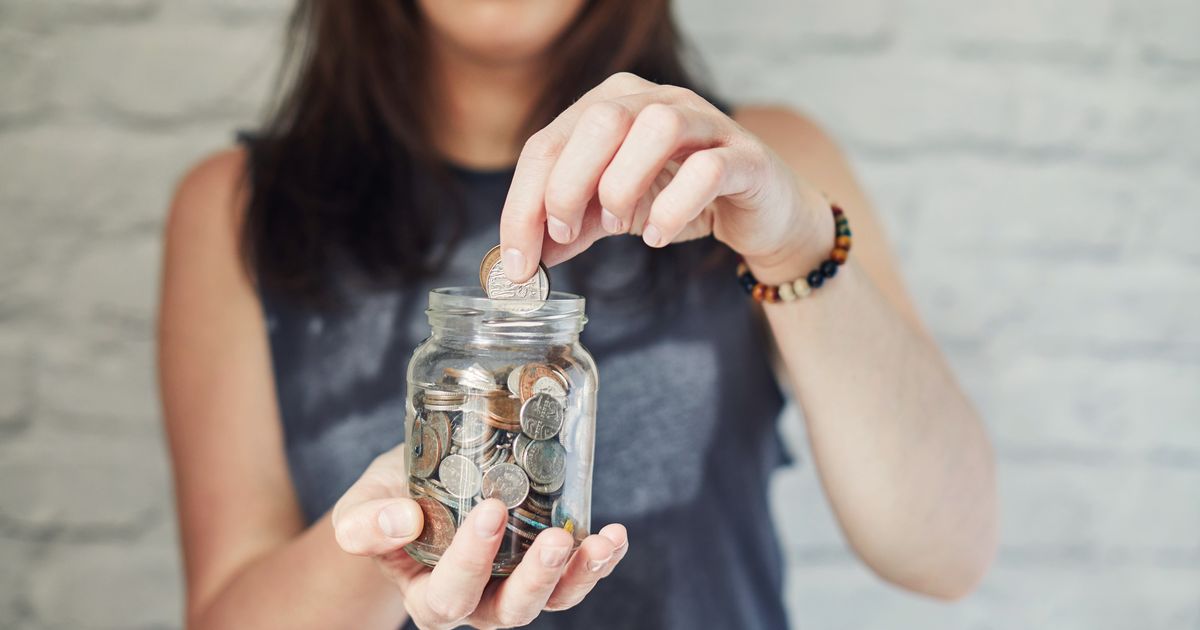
column 636, row 157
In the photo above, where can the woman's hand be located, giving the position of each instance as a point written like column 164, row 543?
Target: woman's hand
column 376, row 518
column 635, row 157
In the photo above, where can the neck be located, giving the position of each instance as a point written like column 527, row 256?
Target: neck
column 480, row 109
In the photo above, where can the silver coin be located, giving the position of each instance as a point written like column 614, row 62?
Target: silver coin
column 514, row 380
column 527, row 296
column 497, row 457
column 519, row 444
column 506, row 482
column 542, row 416
column 546, row 463
column 547, row 385
column 548, row 488
column 460, row 476
column 471, row 431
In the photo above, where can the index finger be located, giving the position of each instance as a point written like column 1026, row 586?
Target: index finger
column 523, row 219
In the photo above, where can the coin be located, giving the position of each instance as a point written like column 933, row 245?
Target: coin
column 471, row 432
column 530, row 519
column 547, row 385
column 542, row 417
column 506, row 482
column 538, row 504
column 439, row 421
column 439, row 525
column 514, row 381
column 460, row 476
column 425, row 450
column 505, row 408
column 517, row 527
column 519, row 444
column 499, row 287
column 474, row 377
column 553, row 487
column 546, row 462
column 531, row 373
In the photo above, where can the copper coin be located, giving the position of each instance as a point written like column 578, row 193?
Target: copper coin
column 439, row 421
column 497, row 423
column 425, row 450
column 505, row 408
column 532, row 372
column 439, row 527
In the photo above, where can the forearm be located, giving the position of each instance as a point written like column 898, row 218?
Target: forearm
column 308, row 582
column 901, row 453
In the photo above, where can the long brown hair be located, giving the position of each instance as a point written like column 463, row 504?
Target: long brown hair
column 343, row 171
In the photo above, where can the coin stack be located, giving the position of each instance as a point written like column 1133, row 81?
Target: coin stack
column 479, row 434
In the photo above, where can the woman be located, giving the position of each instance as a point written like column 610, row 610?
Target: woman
column 296, row 269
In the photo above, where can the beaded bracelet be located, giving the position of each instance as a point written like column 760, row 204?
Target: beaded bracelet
column 802, row 287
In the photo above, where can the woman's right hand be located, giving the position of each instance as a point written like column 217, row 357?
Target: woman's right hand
column 376, row 518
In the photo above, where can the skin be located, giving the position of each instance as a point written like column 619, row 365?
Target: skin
column 901, row 454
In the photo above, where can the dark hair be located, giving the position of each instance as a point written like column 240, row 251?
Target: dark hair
column 343, row 171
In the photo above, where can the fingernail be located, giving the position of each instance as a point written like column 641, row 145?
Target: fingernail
column 610, row 222
column 514, row 263
column 596, row 565
column 395, row 521
column 652, row 236
column 554, row 557
column 559, row 231
column 489, row 519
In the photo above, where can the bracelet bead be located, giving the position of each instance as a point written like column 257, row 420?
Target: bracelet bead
column 816, row 279
column 800, row 286
column 786, row 292
column 803, row 286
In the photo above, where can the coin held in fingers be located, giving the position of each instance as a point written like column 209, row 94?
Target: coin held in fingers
column 531, row 293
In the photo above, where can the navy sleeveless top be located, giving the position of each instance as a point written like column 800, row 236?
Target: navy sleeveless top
column 686, row 435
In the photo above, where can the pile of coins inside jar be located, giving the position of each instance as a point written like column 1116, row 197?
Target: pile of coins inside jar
column 504, row 433
column 479, row 435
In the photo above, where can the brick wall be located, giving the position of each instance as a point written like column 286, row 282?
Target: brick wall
column 1037, row 163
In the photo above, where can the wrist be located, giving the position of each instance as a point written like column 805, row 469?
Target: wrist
column 809, row 243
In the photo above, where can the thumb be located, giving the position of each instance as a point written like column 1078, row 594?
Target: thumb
column 379, row 526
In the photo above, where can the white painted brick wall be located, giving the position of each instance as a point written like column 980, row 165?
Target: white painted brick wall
column 1037, row 163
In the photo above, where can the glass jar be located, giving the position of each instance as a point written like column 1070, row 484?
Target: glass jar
column 501, row 403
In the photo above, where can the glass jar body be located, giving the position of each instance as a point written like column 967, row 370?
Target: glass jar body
column 501, row 404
